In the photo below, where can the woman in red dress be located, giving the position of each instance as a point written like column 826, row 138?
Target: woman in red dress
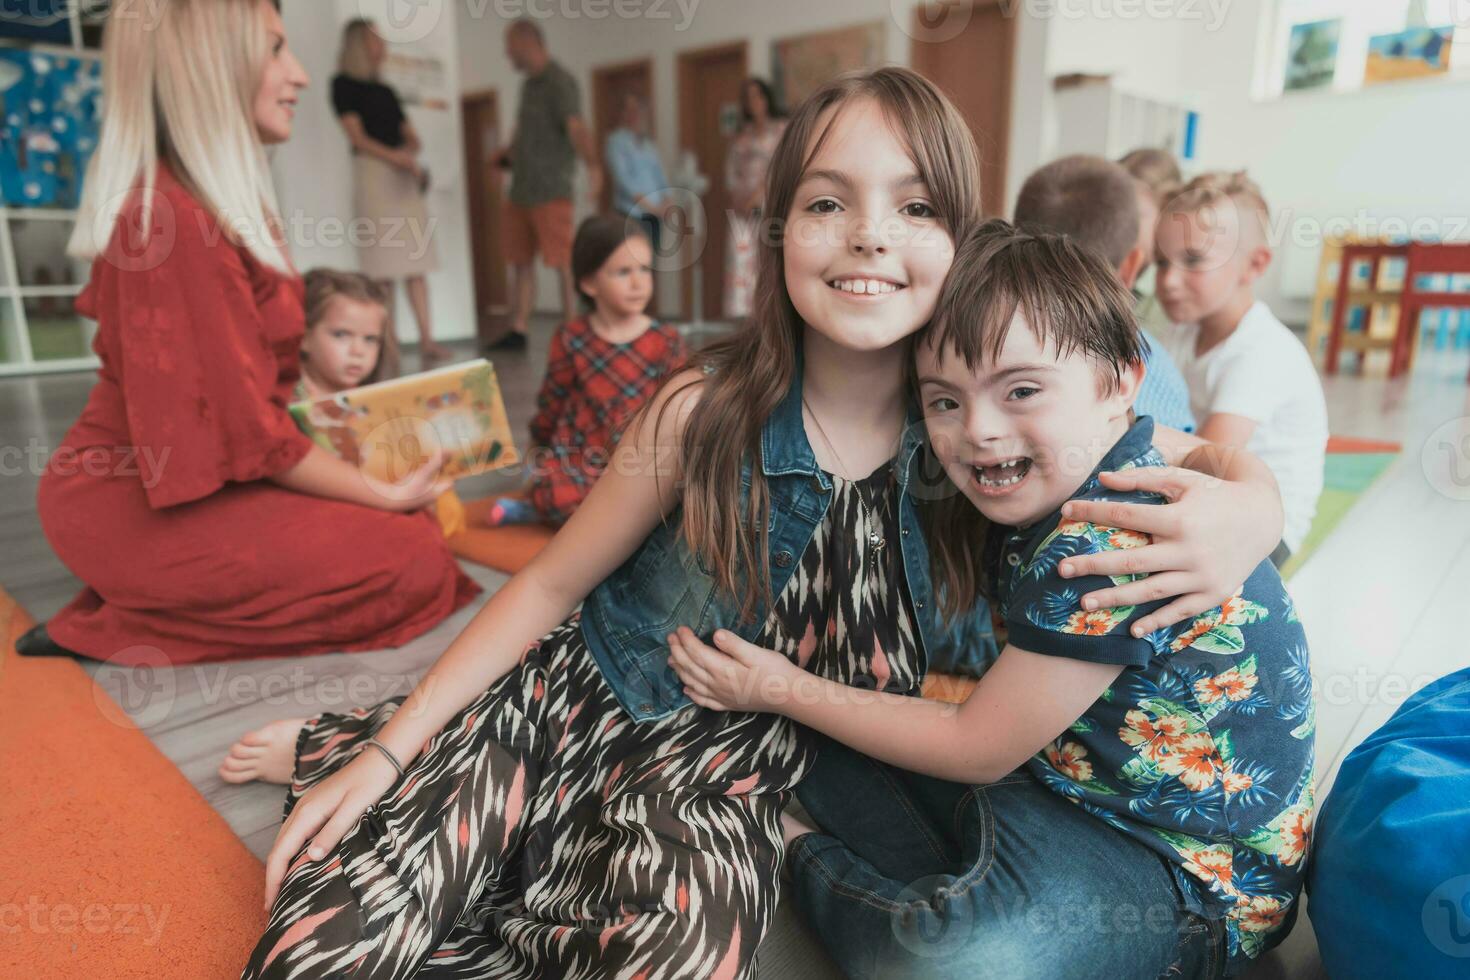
column 204, row 524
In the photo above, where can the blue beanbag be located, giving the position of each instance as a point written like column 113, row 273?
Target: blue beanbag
column 1390, row 878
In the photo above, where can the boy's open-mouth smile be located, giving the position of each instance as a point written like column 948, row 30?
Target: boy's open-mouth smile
column 1003, row 477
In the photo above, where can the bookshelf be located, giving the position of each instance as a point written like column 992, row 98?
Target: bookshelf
column 49, row 57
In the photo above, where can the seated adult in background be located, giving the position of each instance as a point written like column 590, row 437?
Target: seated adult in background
column 1097, row 204
column 204, row 524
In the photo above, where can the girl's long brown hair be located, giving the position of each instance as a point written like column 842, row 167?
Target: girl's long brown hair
column 747, row 374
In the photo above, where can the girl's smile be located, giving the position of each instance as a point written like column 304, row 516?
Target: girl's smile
column 870, row 287
column 865, row 252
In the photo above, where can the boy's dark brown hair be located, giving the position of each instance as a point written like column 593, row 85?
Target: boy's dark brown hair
column 1073, row 302
column 598, row 237
column 325, row 285
column 1090, row 200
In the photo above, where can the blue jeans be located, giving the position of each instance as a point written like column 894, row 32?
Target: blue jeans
column 918, row 877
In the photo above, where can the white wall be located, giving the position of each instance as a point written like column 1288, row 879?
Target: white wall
column 313, row 171
column 582, row 41
column 1376, row 159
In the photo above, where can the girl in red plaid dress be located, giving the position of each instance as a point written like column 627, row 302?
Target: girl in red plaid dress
column 601, row 369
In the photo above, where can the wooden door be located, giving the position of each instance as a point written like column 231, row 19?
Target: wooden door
column 612, row 84
column 483, row 182
column 975, row 69
column 709, row 89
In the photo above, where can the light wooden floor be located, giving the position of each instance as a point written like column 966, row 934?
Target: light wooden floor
column 1382, row 600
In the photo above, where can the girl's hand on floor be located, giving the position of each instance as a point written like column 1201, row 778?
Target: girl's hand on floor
column 417, row 490
column 1205, row 542
column 738, row 676
column 325, row 813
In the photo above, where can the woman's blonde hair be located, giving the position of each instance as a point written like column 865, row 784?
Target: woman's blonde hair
column 354, row 60
column 181, row 80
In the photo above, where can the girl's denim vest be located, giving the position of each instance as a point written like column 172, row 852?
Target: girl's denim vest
column 626, row 620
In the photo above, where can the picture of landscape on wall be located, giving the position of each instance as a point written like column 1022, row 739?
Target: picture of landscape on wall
column 1311, row 57
column 1418, row 53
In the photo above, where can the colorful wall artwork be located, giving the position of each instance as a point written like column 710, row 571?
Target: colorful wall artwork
column 50, row 108
column 1311, row 55
column 1421, row 52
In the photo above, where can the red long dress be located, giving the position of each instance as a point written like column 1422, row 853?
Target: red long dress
column 158, row 500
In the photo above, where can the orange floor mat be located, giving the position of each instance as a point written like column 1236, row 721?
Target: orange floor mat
column 1349, row 444
column 505, row 549
column 112, row 865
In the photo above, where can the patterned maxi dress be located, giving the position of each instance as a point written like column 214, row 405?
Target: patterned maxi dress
column 544, row 833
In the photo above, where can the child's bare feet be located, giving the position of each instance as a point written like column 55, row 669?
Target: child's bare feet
column 267, row 753
column 792, row 828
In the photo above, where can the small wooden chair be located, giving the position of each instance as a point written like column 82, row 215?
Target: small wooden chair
column 1424, row 259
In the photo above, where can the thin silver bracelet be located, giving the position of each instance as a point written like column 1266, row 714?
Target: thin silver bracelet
column 387, row 753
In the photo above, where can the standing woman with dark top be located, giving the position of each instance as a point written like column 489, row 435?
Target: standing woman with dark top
column 388, row 183
column 204, row 524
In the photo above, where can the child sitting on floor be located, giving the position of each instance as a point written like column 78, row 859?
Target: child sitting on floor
column 1251, row 382
column 349, row 342
column 1156, row 175
column 1100, row 206
column 1164, row 775
column 601, row 369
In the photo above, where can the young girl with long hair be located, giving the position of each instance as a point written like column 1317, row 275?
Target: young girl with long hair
column 547, row 802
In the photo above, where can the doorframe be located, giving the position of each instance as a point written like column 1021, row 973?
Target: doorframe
column 1007, row 104
column 687, row 69
column 488, row 279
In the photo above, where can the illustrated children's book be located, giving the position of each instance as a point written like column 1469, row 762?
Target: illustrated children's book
column 390, row 428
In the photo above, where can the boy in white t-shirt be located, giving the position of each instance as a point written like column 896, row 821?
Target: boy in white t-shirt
column 1251, row 382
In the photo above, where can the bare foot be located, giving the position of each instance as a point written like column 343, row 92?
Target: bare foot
column 792, row 827
column 267, row 753
column 434, row 352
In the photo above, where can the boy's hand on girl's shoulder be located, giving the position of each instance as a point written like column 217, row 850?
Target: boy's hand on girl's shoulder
column 1204, row 543
column 733, row 675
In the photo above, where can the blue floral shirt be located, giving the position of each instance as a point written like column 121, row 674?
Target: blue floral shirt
column 1202, row 749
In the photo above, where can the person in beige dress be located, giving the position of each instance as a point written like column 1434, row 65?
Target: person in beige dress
column 746, row 163
column 388, row 181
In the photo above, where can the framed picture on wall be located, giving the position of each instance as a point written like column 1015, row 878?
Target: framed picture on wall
column 49, row 118
column 801, row 65
column 1311, row 57
column 1422, row 52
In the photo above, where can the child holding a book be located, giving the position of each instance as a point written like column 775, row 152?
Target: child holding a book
column 349, row 342
column 601, row 369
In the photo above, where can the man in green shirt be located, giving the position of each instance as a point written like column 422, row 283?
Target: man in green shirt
column 550, row 134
